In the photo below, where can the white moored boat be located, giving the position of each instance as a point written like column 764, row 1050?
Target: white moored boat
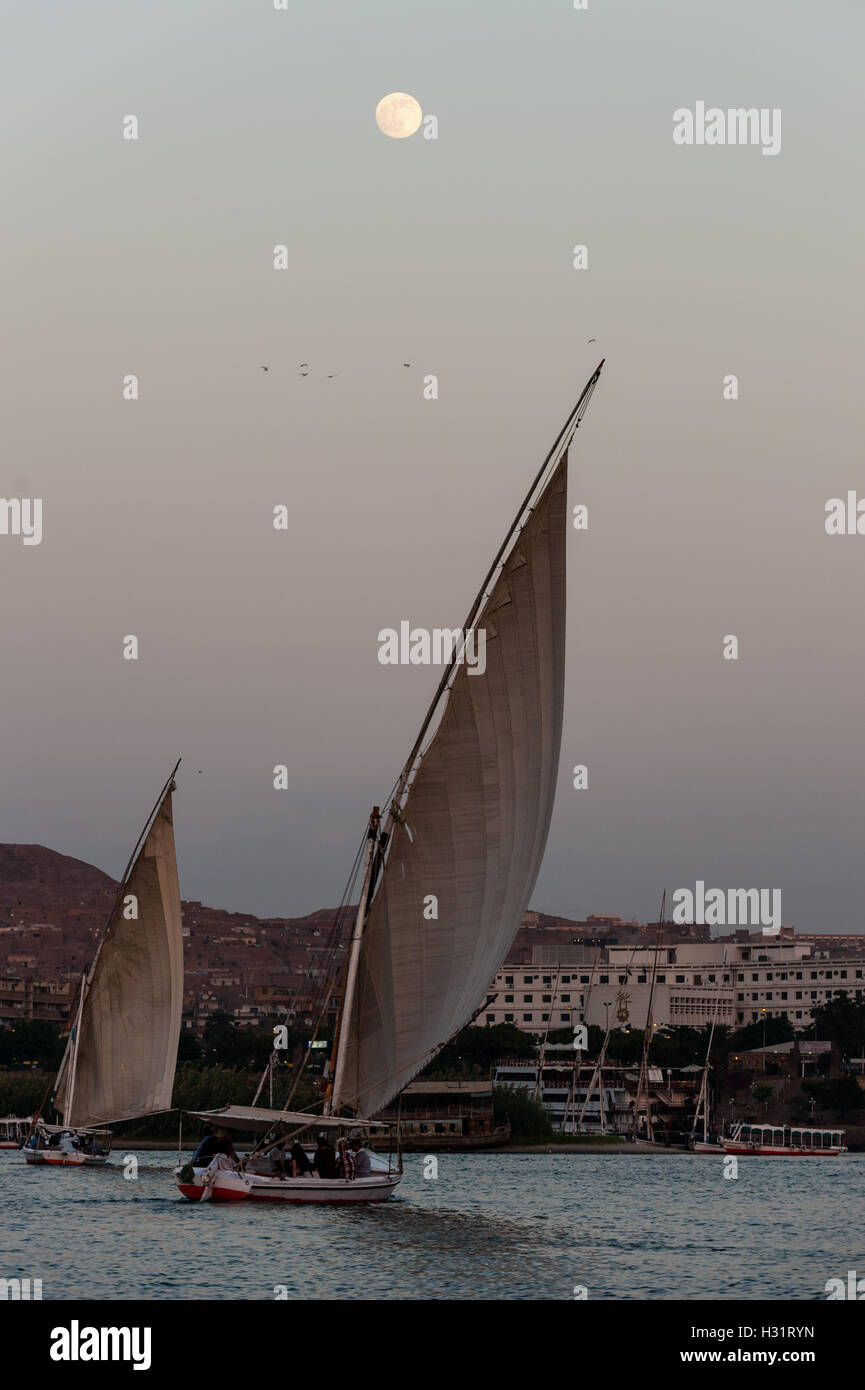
column 784, row 1141
column 13, row 1131
column 449, row 868
column 121, row 1054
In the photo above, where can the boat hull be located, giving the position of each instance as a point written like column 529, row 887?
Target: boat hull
column 239, row 1187
column 51, row 1158
column 10, row 1143
column 734, row 1146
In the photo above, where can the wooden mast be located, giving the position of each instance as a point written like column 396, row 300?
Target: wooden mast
column 643, row 1083
column 333, row 1097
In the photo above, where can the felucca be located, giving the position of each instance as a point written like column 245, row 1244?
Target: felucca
column 122, row 1049
column 466, row 826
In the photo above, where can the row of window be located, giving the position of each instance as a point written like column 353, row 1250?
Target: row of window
column 800, row 994
column 696, row 979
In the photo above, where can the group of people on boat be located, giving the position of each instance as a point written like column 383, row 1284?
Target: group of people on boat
column 66, row 1141
column 348, row 1161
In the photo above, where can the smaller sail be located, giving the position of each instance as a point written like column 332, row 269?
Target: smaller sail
column 123, row 1059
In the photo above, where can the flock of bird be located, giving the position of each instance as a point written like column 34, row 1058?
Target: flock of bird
column 330, row 375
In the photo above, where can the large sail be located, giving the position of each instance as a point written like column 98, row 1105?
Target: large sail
column 472, row 831
column 122, row 1060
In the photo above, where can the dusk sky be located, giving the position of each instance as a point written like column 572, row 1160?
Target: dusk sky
column 259, row 647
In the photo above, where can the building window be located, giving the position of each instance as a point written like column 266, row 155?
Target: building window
column 546, row 999
column 605, row 979
column 566, row 999
column 545, row 1018
column 509, row 979
column 527, row 999
column 528, row 979
column 491, row 1018
column 565, row 1018
column 509, row 999
column 680, row 979
column 509, row 1018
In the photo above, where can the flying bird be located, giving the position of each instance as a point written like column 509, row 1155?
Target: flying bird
column 592, row 340
column 331, row 376
column 303, row 373
column 265, row 369
column 304, row 364
column 406, row 364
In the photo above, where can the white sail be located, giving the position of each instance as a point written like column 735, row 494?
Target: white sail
column 121, row 1061
column 473, row 829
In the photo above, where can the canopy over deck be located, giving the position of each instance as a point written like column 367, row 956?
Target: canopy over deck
column 260, row 1121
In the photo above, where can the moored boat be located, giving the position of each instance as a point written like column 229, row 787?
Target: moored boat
column 13, row 1131
column 784, row 1141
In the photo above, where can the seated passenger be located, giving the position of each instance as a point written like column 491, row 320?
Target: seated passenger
column 324, row 1162
column 225, row 1160
column 345, row 1164
column 206, row 1149
column 300, row 1164
column 363, row 1166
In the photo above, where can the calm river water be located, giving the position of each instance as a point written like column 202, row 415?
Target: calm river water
column 506, row 1226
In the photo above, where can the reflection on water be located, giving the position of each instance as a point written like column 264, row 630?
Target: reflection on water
column 493, row 1226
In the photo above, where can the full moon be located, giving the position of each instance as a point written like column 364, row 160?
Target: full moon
column 398, row 115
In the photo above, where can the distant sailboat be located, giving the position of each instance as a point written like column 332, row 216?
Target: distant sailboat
column 122, row 1050
column 466, row 827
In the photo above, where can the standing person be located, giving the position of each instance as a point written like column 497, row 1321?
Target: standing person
column 362, row 1164
column 324, row 1162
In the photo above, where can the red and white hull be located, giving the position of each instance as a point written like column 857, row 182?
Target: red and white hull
column 10, row 1143
column 252, row 1187
column 54, row 1158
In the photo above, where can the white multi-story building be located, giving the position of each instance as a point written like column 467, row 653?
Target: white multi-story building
column 742, row 982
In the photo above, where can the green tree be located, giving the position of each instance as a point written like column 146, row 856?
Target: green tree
column 528, row 1118
column 474, row 1051
column 188, row 1047
column 842, row 1021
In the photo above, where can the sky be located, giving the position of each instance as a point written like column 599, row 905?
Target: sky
column 258, row 647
